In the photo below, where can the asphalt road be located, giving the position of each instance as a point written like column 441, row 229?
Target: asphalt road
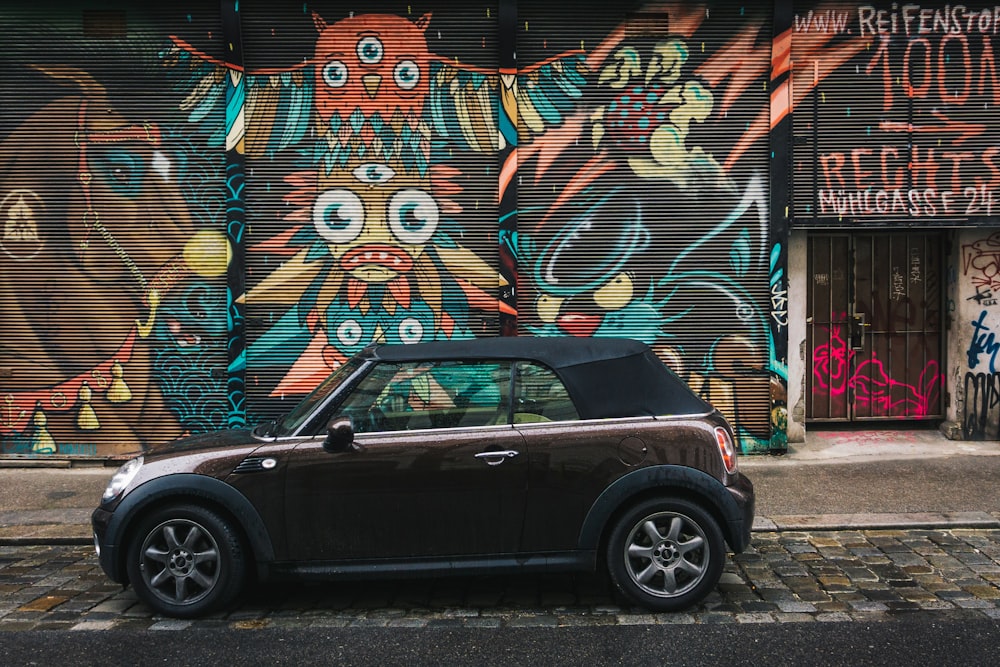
column 917, row 642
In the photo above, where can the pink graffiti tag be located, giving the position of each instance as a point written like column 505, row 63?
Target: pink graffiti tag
column 831, row 364
column 873, row 389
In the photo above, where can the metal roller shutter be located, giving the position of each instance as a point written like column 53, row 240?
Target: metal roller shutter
column 892, row 117
column 642, row 187
column 112, row 254
column 371, row 190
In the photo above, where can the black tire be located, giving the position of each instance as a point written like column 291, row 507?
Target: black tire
column 665, row 554
column 186, row 561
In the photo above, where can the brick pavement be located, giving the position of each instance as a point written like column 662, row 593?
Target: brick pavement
column 815, row 576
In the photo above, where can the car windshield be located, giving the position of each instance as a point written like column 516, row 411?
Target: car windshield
column 291, row 422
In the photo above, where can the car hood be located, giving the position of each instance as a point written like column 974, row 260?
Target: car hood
column 218, row 439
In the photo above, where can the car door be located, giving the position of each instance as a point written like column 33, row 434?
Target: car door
column 432, row 476
column 571, row 460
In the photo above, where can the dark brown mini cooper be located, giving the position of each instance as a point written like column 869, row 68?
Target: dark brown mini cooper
column 493, row 455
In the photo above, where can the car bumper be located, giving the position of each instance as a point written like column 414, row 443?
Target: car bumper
column 741, row 491
column 106, row 552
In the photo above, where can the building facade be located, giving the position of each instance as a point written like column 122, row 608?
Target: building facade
column 207, row 207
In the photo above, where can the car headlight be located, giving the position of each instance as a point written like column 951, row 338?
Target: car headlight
column 122, row 478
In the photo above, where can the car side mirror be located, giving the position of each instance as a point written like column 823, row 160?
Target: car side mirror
column 339, row 434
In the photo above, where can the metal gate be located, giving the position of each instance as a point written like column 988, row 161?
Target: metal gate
column 874, row 327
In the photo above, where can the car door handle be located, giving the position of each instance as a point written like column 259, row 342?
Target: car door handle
column 500, row 455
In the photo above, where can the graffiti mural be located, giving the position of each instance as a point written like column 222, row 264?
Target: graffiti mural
column 110, row 295
column 392, row 117
column 909, row 89
column 888, row 129
column 292, row 184
column 364, row 211
column 636, row 220
column 779, row 347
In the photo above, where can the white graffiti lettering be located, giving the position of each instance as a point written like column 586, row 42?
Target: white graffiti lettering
column 926, row 202
column 779, row 305
column 916, row 20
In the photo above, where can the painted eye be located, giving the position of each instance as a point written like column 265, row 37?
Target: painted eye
column 548, row 307
column 370, row 50
column 339, row 216
column 411, row 330
column 744, row 311
column 374, row 173
column 335, row 74
column 349, row 332
column 122, row 171
column 616, row 294
column 406, row 75
column 413, row 216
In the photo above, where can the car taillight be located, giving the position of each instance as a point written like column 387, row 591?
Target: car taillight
column 726, row 448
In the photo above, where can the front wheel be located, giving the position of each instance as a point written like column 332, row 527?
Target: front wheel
column 185, row 561
column 665, row 554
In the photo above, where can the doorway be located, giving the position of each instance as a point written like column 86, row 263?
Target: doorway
column 874, row 327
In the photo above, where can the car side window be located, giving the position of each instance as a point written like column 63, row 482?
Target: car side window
column 539, row 395
column 439, row 394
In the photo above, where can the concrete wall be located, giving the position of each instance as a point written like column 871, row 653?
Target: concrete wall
column 973, row 352
column 797, row 286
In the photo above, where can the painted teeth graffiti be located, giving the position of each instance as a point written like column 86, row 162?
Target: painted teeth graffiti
column 378, row 262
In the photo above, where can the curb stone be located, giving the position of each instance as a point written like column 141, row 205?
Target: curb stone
column 40, row 529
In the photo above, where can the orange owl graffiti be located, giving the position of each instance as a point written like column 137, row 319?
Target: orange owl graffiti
column 378, row 65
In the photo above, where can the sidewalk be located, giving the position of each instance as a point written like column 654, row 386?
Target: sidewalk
column 881, row 478
column 836, row 480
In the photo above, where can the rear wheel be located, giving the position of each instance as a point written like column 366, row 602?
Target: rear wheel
column 186, row 561
column 665, row 554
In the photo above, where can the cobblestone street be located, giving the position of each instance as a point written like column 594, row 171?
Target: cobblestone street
column 871, row 575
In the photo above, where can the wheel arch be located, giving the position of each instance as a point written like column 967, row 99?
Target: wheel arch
column 190, row 488
column 662, row 481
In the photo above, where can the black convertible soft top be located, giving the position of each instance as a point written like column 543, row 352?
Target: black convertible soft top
column 605, row 377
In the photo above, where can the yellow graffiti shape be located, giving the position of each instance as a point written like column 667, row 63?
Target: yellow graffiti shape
column 625, row 64
column 666, row 62
column 208, row 253
column 670, row 156
column 696, row 106
column 527, row 114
